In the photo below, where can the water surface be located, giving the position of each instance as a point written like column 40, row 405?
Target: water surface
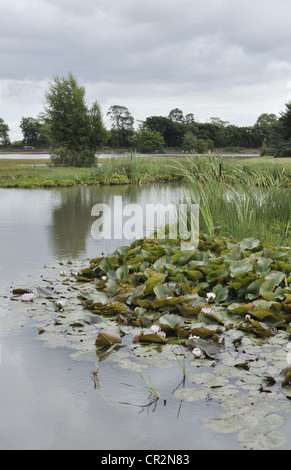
column 47, row 399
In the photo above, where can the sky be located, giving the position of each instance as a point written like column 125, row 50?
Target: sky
column 217, row 58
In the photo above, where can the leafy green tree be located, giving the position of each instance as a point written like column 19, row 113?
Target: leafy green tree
column 98, row 135
column 176, row 115
column 122, row 125
column 285, row 122
column 4, row 136
column 146, row 141
column 67, row 112
column 73, row 127
column 189, row 119
column 30, row 128
column 172, row 131
column 280, row 144
column 266, row 126
column 189, row 142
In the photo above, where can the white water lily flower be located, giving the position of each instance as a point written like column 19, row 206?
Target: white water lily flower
column 193, row 337
column 210, row 296
column 247, row 318
column 169, row 298
column 61, row 304
column 27, row 297
column 197, row 352
column 206, row 310
column 104, row 278
column 155, row 328
column 63, row 273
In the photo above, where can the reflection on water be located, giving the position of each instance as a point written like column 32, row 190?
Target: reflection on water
column 38, row 226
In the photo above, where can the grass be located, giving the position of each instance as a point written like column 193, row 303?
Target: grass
column 37, row 173
column 244, row 199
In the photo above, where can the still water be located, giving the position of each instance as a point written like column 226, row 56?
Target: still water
column 47, row 399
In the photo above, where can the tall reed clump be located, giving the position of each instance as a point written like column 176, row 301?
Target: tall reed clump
column 239, row 204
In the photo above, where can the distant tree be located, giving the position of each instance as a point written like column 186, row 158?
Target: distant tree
column 72, row 125
column 266, row 126
column 285, row 122
column 189, row 118
column 146, row 141
column 98, row 135
column 176, row 115
column 67, row 112
column 122, row 125
column 280, row 144
column 172, row 131
column 4, row 136
column 189, row 142
column 30, row 128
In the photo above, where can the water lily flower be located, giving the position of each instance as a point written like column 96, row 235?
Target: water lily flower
column 157, row 330
column 193, row 337
column 169, row 298
column 61, row 304
column 210, row 296
column 104, row 278
column 206, row 310
column 63, row 273
column 162, row 333
column 197, row 352
column 27, row 297
column 247, row 318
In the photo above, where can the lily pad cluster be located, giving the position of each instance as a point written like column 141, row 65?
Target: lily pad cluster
column 192, row 297
column 222, row 312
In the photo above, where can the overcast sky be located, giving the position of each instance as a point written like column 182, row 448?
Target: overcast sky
column 225, row 58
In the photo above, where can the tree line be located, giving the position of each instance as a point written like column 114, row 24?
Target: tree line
column 75, row 131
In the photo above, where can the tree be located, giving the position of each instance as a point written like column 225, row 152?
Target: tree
column 176, row 115
column 189, row 142
column 30, row 128
column 171, row 131
column 265, row 126
column 147, row 141
column 4, row 137
column 72, row 125
column 285, row 122
column 122, row 125
column 281, row 140
column 98, row 135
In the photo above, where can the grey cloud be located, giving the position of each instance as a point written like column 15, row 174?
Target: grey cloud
column 170, row 46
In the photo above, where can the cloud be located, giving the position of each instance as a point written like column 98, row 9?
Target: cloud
column 138, row 50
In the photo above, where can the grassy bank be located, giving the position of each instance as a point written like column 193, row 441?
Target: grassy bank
column 38, row 173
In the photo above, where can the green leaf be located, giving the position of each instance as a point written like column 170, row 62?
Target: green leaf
column 171, row 320
column 277, row 276
column 253, row 289
column 263, row 265
column 240, row 309
column 107, row 338
column 153, row 281
column 122, row 272
column 241, row 267
column 249, row 243
column 221, row 293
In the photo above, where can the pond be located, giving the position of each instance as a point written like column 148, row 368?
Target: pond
column 48, row 396
column 48, row 400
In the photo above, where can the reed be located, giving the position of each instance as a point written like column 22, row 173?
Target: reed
column 239, row 203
